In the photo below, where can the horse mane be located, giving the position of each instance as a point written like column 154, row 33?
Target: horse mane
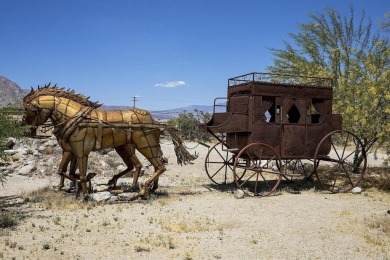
column 46, row 90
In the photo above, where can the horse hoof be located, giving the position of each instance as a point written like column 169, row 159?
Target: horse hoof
column 112, row 183
column 143, row 194
column 86, row 198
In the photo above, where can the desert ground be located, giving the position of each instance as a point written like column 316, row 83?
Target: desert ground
column 190, row 218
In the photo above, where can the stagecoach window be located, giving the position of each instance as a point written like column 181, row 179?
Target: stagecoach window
column 316, row 110
column 268, row 108
column 293, row 115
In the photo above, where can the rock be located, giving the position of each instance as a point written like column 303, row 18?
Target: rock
column 356, row 190
column 100, row 196
column 103, row 164
column 52, row 143
column 10, row 142
column 44, row 149
column 112, row 153
column 113, row 198
column 27, row 169
column 17, row 156
column 11, row 152
column 100, row 188
column 127, row 196
column 239, row 194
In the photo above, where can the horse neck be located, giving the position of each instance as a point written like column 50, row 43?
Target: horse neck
column 65, row 109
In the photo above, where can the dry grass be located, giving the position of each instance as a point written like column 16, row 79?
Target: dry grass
column 381, row 233
column 52, row 199
column 377, row 177
column 382, row 224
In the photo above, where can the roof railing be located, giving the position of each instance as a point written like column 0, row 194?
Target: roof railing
column 280, row 79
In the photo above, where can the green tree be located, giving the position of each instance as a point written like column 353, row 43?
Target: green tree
column 188, row 125
column 345, row 49
column 9, row 127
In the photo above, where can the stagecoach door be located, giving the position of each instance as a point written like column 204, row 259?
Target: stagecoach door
column 293, row 127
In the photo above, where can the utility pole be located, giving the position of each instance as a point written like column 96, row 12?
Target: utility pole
column 135, row 98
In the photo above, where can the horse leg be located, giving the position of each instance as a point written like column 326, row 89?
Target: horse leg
column 148, row 145
column 82, row 162
column 72, row 172
column 159, row 169
column 73, row 167
column 160, row 158
column 66, row 158
column 127, row 153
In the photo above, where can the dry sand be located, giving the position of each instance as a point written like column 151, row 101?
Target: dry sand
column 189, row 218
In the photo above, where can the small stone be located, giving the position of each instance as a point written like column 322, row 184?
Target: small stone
column 127, row 196
column 113, row 199
column 100, row 196
column 43, row 149
column 27, row 169
column 356, row 190
column 100, row 188
column 17, row 156
column 11, row 152
column 10, row 142
column 239, row 194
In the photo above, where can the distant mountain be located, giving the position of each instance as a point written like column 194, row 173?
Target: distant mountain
column 10, row 92
column 169, row 113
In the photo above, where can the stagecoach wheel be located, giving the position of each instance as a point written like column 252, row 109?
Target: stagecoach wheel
column 343, row 167
column 296, row 169
column 261, row 177
column 219, row 165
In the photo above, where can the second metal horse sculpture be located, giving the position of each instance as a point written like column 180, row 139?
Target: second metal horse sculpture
column 81, row 128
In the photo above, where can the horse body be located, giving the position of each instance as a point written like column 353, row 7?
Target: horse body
column 81, row 128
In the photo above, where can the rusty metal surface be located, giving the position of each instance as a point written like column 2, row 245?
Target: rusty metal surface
column 81, row 128
column 292, row 115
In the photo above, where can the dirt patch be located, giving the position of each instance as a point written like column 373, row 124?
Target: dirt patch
column 188, row 218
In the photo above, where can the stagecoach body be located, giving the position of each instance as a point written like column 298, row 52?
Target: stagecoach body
column 280, row 118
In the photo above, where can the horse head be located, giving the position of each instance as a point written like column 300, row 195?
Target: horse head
column 42, row 102
column 35, row 113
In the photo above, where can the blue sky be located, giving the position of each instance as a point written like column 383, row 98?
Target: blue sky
column 168, row 53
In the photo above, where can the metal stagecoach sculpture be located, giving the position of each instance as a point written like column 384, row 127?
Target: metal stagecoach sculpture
column 80, row 127
column 274, row 127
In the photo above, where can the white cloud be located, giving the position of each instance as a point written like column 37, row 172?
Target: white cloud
column 171, row 84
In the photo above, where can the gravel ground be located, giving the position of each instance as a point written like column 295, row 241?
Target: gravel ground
column 188, row 218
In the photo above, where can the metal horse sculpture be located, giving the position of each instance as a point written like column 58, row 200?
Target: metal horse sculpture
column 81, row 128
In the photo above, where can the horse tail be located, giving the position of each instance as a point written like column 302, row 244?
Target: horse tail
column 182, row 155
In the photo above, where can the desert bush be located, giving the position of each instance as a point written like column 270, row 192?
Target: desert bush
column 8, row 219
column 9, row 127
column 188, row 123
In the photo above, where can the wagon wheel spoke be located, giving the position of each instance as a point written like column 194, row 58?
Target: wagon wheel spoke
column 296, row 169
column 342, row 168
column 259, row 180
column 218, row 165
column 212, row 176
column 250, row 177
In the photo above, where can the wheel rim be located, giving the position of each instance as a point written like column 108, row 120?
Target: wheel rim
column 219, row 165
column 340, row 170
column 261, row 178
